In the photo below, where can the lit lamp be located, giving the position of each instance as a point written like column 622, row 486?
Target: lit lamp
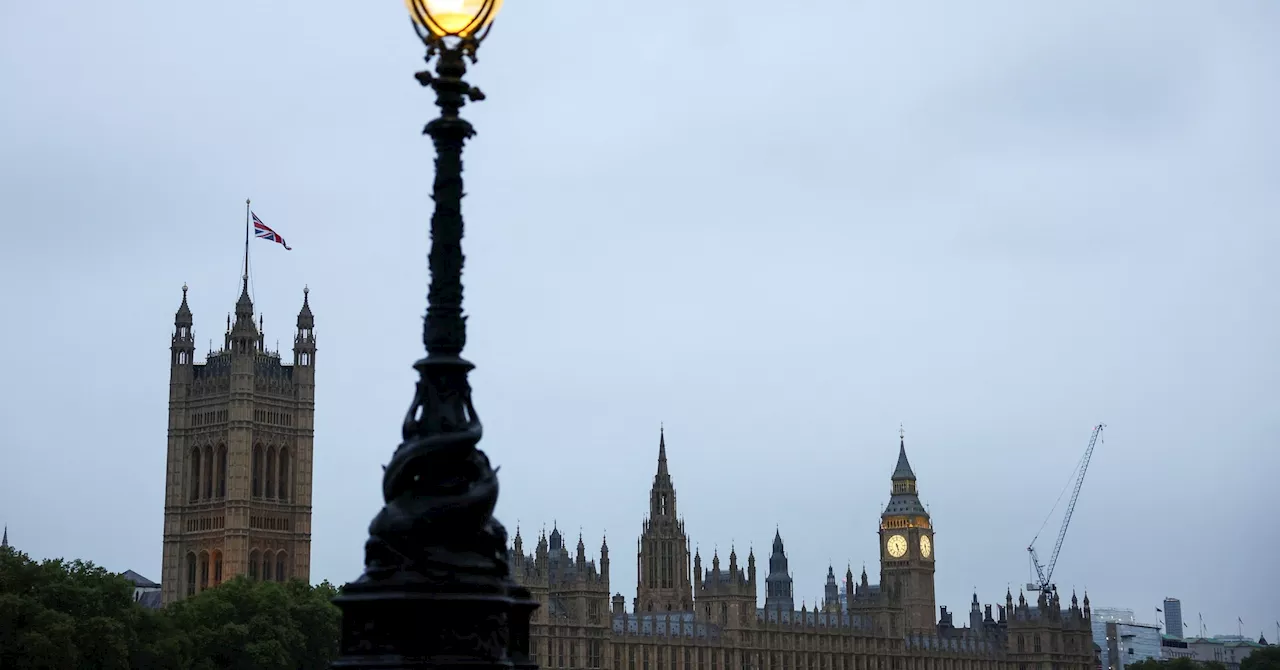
column 436, row 589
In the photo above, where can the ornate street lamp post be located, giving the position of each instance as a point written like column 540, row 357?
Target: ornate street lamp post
column 436, row 589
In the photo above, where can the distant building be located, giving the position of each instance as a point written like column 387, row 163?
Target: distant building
column 238, row 456
column 145, row 591
column 711, row 619
column 1173, row 617
column 1228, row 650
column 1129, row 643
column 1174, row 647
column 1101, row 617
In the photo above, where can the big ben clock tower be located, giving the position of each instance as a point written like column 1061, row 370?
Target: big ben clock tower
column 906, row 548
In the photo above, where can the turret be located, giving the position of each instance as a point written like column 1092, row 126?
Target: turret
column 304, row 343
column 243, row 336
column 619, row 604
column 581, row 558
column 604, row 560
column 751, row 567
column 183, row 347
column 779, row 593
column 831, row 591
column 517, row 552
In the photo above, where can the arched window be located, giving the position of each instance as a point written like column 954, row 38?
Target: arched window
column 217, row 568
column 204, row 570
column 282, row 488
column 191, row 574
column 1037, row 642
column 253, row 564
column 257, row 470
column 270, row 479
column 207, row 470
column 266, row 567
column 194, row 493
column 282, row 573
column 222, row 470
column 1022, row 643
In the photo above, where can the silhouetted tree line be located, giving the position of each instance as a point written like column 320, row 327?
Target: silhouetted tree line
column 1266, row 658
column 73, row 615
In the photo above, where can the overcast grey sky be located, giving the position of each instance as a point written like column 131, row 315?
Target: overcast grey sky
column 997, row 223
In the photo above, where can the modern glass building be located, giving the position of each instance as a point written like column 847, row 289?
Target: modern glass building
column 1128, row 643
column 1173, row 617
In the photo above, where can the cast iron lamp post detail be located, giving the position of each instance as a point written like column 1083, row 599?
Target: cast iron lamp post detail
column 437, row 589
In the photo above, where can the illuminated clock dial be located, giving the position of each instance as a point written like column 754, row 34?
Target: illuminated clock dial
column 926, row 546
column 896, row 546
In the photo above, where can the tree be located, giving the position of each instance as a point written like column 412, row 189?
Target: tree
column 1263, row 658
column 251, row 625
column 59, row 615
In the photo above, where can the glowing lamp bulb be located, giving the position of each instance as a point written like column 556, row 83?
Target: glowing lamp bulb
column 453, row 18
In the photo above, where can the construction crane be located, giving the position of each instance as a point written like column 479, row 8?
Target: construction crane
column 1042, row 573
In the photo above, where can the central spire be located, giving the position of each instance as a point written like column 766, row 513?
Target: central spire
column 662, row 497
column 662, row 452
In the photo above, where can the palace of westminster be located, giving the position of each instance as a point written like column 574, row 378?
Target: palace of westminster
column 238, row 502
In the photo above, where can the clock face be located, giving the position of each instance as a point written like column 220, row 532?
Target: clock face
column 896, row 546
column 926, row 547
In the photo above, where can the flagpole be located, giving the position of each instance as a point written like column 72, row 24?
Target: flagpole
column 245, row 277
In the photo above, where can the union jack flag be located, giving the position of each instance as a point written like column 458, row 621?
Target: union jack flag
column 261, row 231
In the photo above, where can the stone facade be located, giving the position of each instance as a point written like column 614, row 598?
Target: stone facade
column 238, row 474
column 688, row 618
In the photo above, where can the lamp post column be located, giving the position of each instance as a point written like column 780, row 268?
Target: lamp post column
column 437, row 589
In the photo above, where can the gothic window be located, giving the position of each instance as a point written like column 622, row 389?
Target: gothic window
column 222, row 471
column 282, row 487
column 217, row 568
column 688, row 659
column 561, row 658
column 644, row 655
column 194, row 494
column 208, row 472
column 270, row 478
column 257, row 470
column 191, row 574
column 253, row 564
column 204, row 571
column 281, row 572
column 662, row 504
column 1022, row 643
column 724, row 613
column 1037, row 643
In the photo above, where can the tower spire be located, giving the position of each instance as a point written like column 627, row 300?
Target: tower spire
column 662, row 452
column 903, row 468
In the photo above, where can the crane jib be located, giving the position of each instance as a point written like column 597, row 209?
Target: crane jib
column 1044, row 573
